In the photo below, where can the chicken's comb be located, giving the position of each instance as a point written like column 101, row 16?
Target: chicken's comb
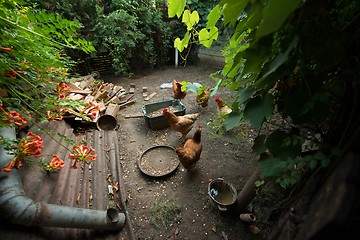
column 165, row 110
column 217, row 97
column 200, row 126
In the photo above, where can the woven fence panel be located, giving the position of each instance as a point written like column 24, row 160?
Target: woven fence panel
column 101, row 63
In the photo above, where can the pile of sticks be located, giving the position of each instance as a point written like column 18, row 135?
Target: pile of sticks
column 98, row 98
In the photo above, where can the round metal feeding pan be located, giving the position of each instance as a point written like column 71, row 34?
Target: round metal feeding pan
column 158, row 161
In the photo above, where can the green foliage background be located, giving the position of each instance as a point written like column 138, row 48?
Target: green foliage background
column 293, row 59
column 36, row 63
column 134, row 33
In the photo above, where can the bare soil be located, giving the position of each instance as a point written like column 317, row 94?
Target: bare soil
column 178, row 206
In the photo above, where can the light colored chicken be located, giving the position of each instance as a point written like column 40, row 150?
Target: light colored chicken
column 222, row 107
column 189, row 155
column 177, row 93
column 182, row 124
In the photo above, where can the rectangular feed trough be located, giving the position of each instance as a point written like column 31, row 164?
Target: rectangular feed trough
column 153, row 112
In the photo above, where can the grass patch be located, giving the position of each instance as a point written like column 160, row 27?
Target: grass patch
column 165, row 213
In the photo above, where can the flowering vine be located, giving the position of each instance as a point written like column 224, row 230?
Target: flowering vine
column 83, row 153
column 55, row 164
column 31, row 145
column 12, row 117
column 62, row 89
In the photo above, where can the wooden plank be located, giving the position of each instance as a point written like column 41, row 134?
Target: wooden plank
column 134, row 115
column 127, row 103
column 114, row 99
column 88, row 99
column 112, row 109
column 102, row 106
column 100, row 95
column 75, row 96
column 86, row 82
column 74, row 87
column 144, row 92
column 85, row 92
column 151, row 96
column 132, row 88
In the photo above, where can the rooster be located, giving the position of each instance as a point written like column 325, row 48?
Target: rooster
column 202, row 99
column 189, row 155
column 222, row 107
column 182, row 124
column 177, row 93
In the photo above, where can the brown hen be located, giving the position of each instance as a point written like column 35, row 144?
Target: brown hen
column 189, row 155
column 182, row 124
column 222, row 107
column 177, row 93
column 203, row 98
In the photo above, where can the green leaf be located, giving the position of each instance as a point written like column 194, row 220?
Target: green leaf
column 279, row 145
column 275, row 13
column 178, row 44
column 244, row 94
column 204, row 37
column 271, row 166
column 233, row 120
column 251, row 21
column 186, row 16
column 259, row 144
column 190, row 19
column 175, row 7
column 215, row 89
column 213, row 16
column 313, row 163
column 194, row 18
column 258, row 108
column 282, row 57
column 214, row 33
column 232, row 9
column 193, row 87
column 186, row 39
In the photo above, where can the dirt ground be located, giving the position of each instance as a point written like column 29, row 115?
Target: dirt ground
column 178, row 206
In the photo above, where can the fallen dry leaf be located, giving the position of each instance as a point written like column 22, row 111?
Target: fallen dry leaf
column 116, row 186
column 254, row 229
column 213, row 228
column 118, row 206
